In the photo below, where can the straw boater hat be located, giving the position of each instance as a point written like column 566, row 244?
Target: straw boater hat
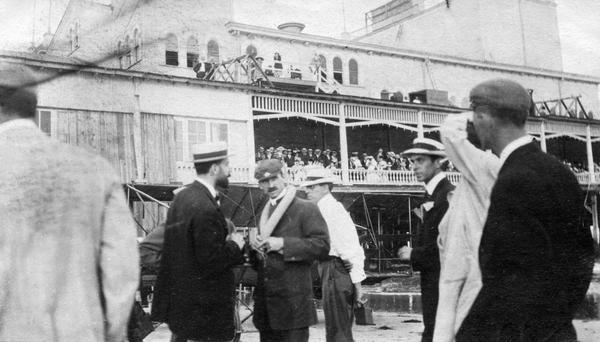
column 316, row 176
column 425, row 146
column 203, row 153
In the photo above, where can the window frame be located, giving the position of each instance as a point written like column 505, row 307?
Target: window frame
column 184, row 146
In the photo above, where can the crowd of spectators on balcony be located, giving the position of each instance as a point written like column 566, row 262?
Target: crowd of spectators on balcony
column 301, row 157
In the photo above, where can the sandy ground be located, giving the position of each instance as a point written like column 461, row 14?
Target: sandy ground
column 388, row 327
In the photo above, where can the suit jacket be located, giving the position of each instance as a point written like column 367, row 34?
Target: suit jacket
column 536, row 256
column 283, row 296
column 195, row 287
column 68, row 253
column 425, row 255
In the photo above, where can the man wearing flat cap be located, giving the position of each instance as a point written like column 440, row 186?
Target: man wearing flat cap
column 342, row 271
column 427, row 156
column 535, row 255
column 68, row 257
column 292, row 234
column 195, row 287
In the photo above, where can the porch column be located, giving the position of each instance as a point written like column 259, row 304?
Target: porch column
column 590, row 154
column 595, row 229
column 420, row 132
column 251, row 144
column 137, row 136
column 543, row 136
column 344, row 145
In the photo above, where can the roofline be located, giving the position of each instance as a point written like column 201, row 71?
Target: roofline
column 236, row 28
column 35, row 60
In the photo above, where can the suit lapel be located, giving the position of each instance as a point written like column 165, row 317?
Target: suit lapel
column 205, row 192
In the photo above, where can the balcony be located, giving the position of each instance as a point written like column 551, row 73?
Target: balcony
column 186, row 174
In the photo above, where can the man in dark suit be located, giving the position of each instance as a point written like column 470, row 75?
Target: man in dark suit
column 428, row 156
column 536, row 256
column 292, row 234
column 195, row 288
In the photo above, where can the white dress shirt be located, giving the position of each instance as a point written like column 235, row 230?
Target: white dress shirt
column 343, row 237
column 462, row 226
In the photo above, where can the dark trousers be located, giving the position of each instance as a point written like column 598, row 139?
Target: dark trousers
column 429, row 300
column 338, row 300
column 175, row 338
column 292, row 335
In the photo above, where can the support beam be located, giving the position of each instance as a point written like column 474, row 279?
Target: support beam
column 344, row 146
column 137, row 136
column 543, row 137
column 420, row 132
column 251, row 143
column 595, row 229
column 590, row 154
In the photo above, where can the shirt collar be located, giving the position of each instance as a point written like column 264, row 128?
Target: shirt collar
column 433, row 183
column 210, row 188
column 280, row 196
column 326, row 198
column 512, row 146
column 16, row 123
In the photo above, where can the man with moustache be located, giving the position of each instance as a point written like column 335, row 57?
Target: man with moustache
column 292, row 234
column 535, row 255
column 427, row 156
column 195, row 287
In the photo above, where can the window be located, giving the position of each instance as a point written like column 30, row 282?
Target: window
column 191, row 132
column 127, row 52
column 136, row 45
column 43, row 121
column 338, row 70
column 192, row 51
column 171, row 50
column 251, row 50
column 212, row 51
column 119, row 54
column 353, row 68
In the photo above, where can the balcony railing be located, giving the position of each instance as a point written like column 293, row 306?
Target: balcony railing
column 186, row 174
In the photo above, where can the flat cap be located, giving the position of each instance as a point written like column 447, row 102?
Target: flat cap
column 267, row 168
column 501, row 93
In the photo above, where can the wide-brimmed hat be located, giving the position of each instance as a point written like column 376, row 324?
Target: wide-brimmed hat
column 316, row 176
column 425, row 146
column 203, row 153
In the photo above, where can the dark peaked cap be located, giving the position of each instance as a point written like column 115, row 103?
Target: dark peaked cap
column 501, row 93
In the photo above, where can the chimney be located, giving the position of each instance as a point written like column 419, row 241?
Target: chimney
column 291, row 27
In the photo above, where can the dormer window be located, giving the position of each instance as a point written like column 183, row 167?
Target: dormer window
column 171, row 50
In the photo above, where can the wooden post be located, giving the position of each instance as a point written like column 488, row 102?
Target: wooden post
column 543, row 136
column 251, row 144
column 590, row 154
column 344, row 146
column 595, row 229
column 420, row 131
column 137, row 137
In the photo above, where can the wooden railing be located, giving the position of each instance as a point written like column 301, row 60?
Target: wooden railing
column 186, row 174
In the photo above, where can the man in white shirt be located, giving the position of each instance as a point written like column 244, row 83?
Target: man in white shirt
column 343, row 271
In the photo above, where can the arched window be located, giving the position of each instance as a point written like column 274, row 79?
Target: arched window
column 127, row 52
column 212, row 51
column 136, row 45
column 251, row 50
column 338, row 70
column 323, row 62
column 119, row 54
column 353, row 69
column 171, row 50
column 192, row 51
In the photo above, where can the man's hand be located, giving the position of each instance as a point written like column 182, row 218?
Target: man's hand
column 359, row 295
column 272, row 244
column 238, row 238
column 404, row 253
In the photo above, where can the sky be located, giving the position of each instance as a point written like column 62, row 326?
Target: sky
column 579, row 23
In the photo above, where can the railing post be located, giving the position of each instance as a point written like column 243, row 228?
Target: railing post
column 543, row 136
column 343, row 144
column 420, row 132
column 590, row 154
